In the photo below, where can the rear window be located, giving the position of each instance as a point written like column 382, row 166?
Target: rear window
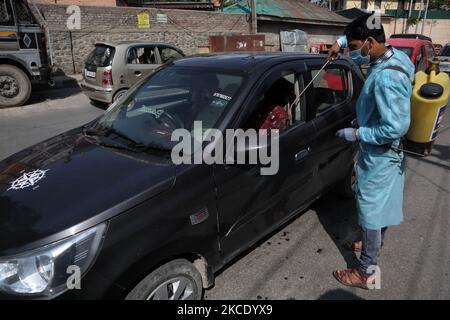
column 406, row 50
column 101, row 56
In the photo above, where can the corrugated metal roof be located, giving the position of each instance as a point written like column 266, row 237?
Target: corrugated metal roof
column 354, row 13
column 301, row 10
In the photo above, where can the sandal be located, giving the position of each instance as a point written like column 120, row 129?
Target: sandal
column 353, row 278
column 355, row 246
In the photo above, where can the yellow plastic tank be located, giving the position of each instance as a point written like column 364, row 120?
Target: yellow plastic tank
column 429, row 100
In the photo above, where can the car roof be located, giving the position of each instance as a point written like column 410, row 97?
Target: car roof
column 241, row 61
column 134, row 42
column 412, row 43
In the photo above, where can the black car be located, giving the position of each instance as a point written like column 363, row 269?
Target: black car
column 107, row 202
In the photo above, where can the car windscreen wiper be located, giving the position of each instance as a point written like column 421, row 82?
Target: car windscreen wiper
column 134, row 146
column 116, row 146
column 142, row 147
column 105, row 132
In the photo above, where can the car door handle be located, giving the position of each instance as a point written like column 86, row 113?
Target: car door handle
column 302, row 155
column 138, row 73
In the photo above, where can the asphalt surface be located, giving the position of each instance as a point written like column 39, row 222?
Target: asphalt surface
column 296, row 262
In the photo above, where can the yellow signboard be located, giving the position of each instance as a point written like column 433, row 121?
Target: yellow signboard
column 143, row 20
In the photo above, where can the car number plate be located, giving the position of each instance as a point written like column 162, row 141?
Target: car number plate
column 90, row 74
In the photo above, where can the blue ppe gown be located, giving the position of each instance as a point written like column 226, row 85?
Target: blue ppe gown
column 383, row 114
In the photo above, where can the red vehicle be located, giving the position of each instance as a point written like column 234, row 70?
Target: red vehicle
column 418, row 47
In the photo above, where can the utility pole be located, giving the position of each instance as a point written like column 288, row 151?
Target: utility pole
column 254, row 19
column 425, row 17
column 420, row 12
column 409, row 16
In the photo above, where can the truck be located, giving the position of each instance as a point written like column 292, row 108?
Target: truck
column 24, row 56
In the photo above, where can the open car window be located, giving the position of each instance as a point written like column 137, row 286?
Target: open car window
column 278, row 106
column 329, row 88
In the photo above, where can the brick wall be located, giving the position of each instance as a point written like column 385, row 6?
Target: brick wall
column 106, row 3
column 188, row 30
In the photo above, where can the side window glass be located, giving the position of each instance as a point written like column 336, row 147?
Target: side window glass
column 23, row 13
column 168, row 53
column 421, row 62
column 146, row 55
column 430, row 52
column 5, row 14
column 276, row 107
column 330, row 88
column 141, row 55
column 132, row 57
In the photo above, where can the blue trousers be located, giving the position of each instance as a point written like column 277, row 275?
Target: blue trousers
column 372, row 242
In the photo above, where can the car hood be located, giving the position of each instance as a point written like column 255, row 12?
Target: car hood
column 68, row 183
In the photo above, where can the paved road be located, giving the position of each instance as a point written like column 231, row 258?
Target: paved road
column 50, row 112
column 296, row 262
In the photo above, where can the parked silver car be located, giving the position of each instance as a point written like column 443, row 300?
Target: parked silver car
column 111, row 69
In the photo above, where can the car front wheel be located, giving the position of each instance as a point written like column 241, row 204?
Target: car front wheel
column 176, row 280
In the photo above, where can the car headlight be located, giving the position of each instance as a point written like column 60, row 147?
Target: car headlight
column 44, row 271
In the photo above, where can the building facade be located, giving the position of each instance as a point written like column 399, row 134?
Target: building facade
column 99, row 3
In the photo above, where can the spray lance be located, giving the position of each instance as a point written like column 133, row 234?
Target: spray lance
column 354, row 123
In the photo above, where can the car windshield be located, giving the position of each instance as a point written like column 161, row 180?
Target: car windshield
column 172, row 98
column 445, row 51
column 406, row 50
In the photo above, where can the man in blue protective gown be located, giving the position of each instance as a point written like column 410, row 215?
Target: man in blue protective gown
column 383, row 116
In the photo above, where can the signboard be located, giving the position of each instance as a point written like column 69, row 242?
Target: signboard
column 161, row 18
column 233, row 43
column 143, row 20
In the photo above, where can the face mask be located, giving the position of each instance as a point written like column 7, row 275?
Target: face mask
column 357, row 56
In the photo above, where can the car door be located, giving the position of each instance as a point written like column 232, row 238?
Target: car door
column 332, row 98
column 251, row 205
column 141, row 61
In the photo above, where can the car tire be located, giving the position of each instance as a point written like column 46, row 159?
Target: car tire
column 119, row 94
column 15, row 86
column 162, row 284
column 346, row 188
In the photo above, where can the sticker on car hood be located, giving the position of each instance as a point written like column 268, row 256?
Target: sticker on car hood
column 28, row 179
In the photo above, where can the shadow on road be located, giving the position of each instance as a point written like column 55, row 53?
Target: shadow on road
column 339, row 218
column 339, row 294
column 98, row 104
column 65, row 86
